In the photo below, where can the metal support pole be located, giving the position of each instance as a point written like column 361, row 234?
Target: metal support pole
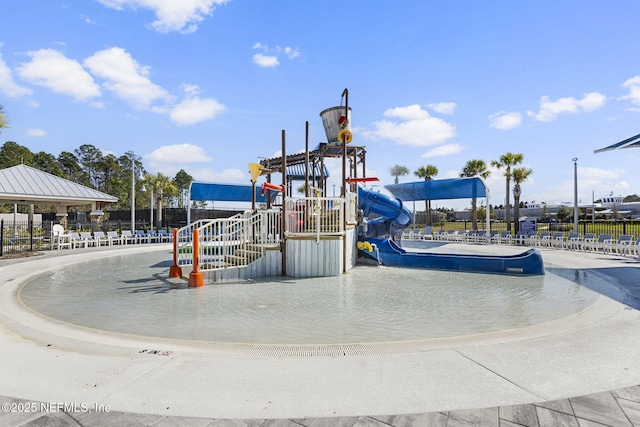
column 345, row 94
column 283, row 225
column 133, row 196
column 575, row 194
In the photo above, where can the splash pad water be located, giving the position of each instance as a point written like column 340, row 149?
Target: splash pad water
column 131, row 295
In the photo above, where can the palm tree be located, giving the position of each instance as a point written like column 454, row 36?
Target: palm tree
column 398, row 170
column 160, row 185
column 519, row 175
column 427, row 172
column 475, row 168
column 3, row 120
column 507, row 161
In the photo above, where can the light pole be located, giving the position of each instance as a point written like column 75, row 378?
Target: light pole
column 133, row 197
column 575, row 194
column 153, row 192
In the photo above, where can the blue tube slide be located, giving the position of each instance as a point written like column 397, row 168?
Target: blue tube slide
column 390, row 209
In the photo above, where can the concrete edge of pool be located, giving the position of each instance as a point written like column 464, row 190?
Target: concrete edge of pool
column 590, row 352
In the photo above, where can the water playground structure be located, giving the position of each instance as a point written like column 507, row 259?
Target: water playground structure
column 319, row 235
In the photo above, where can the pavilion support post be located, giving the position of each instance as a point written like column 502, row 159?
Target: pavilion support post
column 345, row 94
column 283, row 225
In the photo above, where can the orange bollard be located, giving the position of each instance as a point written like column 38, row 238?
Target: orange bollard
column 175, row 270
column 195, row 278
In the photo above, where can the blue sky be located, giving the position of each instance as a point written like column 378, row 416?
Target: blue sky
column 208, row 85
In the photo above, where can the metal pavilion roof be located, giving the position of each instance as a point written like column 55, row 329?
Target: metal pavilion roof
column 297, row 171
column 24, row 184
column 632, row 142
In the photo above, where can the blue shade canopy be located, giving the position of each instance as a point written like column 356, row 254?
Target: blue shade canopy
column 455, row 188
column 632, row 142
column 225, row 192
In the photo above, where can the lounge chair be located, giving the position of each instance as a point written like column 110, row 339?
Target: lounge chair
column 128, row 237
column 521, row 238
column 88, row 238
column 542, row 239
column 114, row 238
column 603, row 243
column 622, row 245
column 59, row 238
column 504, row 237
column 557, row 240
column 165, row 236
column 153, row 236
column 452, row 236
column 572, row 241
column 101, row 238
column 76, row 240
column 141, row 236
column 440, row 235
column 587, row 241
column 634, row 248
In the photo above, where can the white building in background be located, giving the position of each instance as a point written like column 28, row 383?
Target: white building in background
column 609, row 207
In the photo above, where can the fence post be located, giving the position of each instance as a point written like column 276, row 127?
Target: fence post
column 1, row 237
column 31, row 235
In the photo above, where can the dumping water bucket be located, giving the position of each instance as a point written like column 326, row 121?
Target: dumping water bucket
column 332, row 127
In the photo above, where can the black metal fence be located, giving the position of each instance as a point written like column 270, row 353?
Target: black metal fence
column 121, row 219
column 616, row 228
column 20, row 237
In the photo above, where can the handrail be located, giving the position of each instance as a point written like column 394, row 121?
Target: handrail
column 314, row 216
column 229, row 242
column 237, row 241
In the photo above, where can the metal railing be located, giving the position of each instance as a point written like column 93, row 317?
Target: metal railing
column 229, row 242
column 314, row 216
column 240, row 240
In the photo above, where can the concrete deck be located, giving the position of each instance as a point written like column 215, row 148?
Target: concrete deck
column 578, row 371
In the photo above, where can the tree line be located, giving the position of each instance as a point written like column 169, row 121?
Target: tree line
column 116, row 176
column 507, row 162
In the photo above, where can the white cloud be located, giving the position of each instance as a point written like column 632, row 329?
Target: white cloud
column 194, row 109
column 231, row 175
column 177, row 154
column 451, row 174
column 443, row 107
column 444, row 150
column 172, row 15
column 36, row 133
column 265, row 61
column 88, row 20
column 51, row 69
column 592, row 182
column 269, row 57
column 549, row 110
column 8, row 86
column 291, row 52
column 412, row 126
column 634, row 90
column 504, row 121
column 597, row 174
column 125, row 77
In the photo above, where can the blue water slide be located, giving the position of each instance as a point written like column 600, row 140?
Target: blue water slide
column 387, row 252
column 391, row 210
